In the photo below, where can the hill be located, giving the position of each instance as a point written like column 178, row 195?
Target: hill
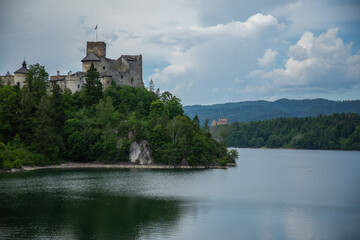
column 264, row 110
column 337, row 131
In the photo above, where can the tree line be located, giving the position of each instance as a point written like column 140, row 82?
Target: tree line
column 337, row 131
column 40, row 124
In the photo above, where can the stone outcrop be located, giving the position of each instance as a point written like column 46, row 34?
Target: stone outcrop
column 140, row 153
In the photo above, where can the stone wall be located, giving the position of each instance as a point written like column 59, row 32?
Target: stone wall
column 8, row 79
column 99, row 48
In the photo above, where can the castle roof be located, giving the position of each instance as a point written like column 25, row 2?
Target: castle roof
column 90, row 57
column 23, row 69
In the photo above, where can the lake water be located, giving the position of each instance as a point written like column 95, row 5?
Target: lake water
column 271, row 194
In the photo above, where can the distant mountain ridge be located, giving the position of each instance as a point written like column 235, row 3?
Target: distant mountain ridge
column 263, row 110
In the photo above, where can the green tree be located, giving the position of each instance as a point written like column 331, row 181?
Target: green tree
column 47, row 141
column 37, row 80
column 157, row 110
column 8, row 113
column 151, row 86
column 57, row 108
column 93, row 87
column 206, row 125
column 105, row 113
column 196, row 122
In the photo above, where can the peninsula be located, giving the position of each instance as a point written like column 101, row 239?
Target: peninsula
column 102, row 114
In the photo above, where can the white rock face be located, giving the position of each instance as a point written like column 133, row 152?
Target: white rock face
column 140, row 153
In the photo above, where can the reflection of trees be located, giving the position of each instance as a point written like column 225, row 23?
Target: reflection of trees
column 85, row 216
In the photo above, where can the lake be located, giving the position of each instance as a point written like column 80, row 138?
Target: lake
column 271, row 194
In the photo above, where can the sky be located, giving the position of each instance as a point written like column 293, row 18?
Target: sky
column 203, row 51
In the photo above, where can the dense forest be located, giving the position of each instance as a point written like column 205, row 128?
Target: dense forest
column 263, row 110
column 338, row 131
column 40, row 124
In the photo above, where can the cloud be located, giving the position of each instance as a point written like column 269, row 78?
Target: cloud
column 194, row 46
column 184, row 38
column 322, row 63
column 309, row 15
column 208, row 54
column 164, row 75
column 268, row 58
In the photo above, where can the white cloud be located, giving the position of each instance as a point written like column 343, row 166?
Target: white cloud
column 184, row 38
column 163, row 76
column 268, row 58
column 321, row 63
column 214, row 90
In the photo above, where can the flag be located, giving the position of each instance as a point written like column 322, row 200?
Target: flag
column 95, row 27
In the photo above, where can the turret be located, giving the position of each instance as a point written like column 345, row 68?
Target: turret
column 20, row 75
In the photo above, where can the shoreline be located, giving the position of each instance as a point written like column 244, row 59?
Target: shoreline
column 344, row 150
column 73, row 165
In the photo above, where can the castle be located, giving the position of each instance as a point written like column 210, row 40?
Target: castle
column 18, row 78
column 222, row 121
column 126, row 70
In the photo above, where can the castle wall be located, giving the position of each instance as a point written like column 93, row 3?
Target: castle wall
column 106, row 81
column 101, row 66
column 8, row 80
column 74, row 82
column 136, row 72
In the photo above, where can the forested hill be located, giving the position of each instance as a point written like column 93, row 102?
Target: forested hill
column 264, row 110
column 338, row 131
column 42, row 125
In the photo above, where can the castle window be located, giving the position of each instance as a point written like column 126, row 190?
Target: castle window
column 104, row 68
column 18, row 83
column 121, row 76
column 78, row 85
column 108, row 82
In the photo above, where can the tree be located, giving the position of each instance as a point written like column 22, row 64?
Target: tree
column 196, row 122
column 172, row 104
column 37, row 80
column 151, row 86
column 105, row 113
column 175, row 129
column 8, row 111
column 206, row 125
column 157, row 110
column 46, row 139
column 93, row 87
column 57, row 108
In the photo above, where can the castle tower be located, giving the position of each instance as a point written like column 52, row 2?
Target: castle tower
column 98, row 48
column 20, row 75
column 95, row 51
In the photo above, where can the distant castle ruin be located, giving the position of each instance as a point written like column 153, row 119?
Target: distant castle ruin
column 126, row 70
column 222, row 121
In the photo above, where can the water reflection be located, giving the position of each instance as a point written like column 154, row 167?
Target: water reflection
column 86, row 216
column 270, row 195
